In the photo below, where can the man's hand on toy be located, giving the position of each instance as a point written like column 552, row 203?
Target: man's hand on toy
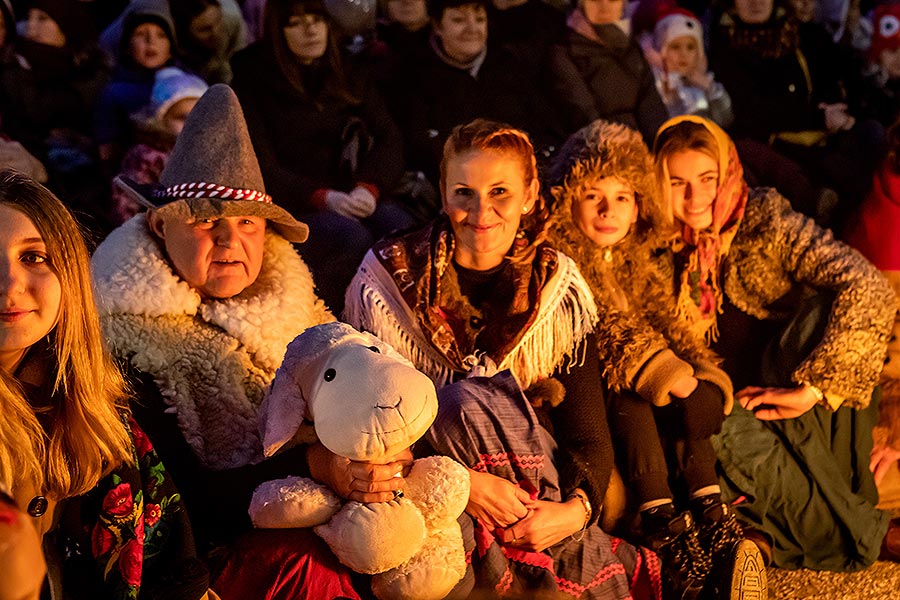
column 546, row 524
column 496, row 501
column 360, row 481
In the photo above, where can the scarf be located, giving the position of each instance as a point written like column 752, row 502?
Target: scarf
column 407, row 292
column 775, row 39
column 613, row 35
column 699, row 254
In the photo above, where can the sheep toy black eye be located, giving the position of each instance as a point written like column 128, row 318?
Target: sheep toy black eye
column 375, row 349
column 329, row 374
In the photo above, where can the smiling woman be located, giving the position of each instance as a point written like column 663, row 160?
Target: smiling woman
column 479, row 293
column 801, row 322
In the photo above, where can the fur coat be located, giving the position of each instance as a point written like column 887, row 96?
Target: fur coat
column 212, row 359
column 775, row 249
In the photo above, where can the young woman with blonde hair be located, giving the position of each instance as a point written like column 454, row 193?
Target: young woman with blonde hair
column 112, row 522
column 801, row 322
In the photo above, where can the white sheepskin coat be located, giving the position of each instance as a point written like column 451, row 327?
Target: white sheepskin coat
column 212, row 359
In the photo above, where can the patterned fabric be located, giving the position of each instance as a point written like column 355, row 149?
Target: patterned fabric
column 211, row 190
column 407, row 293
column 134, row 529
column 489, row 425
column 774, row 39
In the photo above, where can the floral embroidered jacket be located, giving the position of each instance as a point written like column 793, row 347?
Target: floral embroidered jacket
column 130, row 536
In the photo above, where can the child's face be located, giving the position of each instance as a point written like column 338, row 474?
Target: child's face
column 606, row 211
column 173, row 120
column 890, row 62
column 150, row 46
column 682, row 55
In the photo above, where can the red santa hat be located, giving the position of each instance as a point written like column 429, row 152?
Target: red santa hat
column 674, row 22
column 886, row 30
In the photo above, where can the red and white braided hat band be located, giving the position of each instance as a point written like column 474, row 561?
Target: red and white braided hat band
column 212, row 190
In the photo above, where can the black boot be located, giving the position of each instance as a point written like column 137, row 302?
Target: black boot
column 685, row 565
column 739, row 571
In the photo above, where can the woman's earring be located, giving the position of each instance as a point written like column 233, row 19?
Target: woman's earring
column 525, row 209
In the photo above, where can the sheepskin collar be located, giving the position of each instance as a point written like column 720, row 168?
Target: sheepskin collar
column 212, row 359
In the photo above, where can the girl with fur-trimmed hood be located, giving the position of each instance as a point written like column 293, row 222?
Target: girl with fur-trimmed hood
column 665, row 386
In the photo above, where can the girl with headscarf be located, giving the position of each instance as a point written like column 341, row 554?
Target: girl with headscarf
column 802, row 322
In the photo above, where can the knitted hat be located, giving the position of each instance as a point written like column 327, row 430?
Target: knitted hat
column 675, row 22
column 886, row 30
column 170, row 85
column 213, row 171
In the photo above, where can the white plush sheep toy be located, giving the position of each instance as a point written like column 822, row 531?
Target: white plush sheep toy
column 367, row 403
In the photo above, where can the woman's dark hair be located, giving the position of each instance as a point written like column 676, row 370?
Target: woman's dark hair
column 436, row 8
column 276, row 17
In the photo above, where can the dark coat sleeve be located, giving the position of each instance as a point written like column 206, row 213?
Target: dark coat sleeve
column 582, row 431
column 569, row 92
column 383, row 165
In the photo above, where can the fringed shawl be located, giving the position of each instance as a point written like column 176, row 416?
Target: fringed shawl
column 403, row 289
column 699, row 253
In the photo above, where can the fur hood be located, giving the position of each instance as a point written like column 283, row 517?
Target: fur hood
column 212, row 359
column 598, row 150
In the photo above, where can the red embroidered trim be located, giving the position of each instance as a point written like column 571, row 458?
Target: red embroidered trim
column 212, row 190
column 502, row 459
column 575, row 589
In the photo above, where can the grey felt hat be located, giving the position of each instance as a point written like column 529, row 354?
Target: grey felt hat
column 213, row 171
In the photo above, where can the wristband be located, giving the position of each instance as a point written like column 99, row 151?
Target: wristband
column 588, row 511
column 819, row 394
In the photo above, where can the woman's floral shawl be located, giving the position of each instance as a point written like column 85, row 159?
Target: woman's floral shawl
column 130, row 536
column 407, row 293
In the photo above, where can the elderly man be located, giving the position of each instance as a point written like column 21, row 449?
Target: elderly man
column 200, row 297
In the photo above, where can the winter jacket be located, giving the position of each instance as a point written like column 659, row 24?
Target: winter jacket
column 601, row 73
column 299, row 141
column 439, row 96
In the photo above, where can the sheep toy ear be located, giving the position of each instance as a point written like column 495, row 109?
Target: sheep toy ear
column 282, row 411
column 285, row 406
